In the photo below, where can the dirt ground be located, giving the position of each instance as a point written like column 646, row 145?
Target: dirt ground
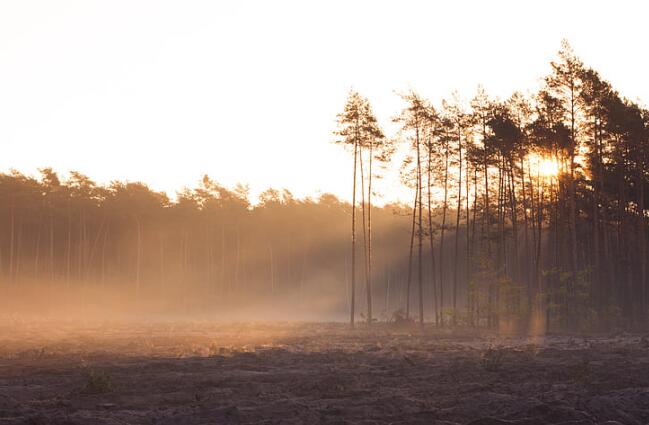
column 210, row 373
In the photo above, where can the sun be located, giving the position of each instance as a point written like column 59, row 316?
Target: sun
column 543, row 165
column 548, row 167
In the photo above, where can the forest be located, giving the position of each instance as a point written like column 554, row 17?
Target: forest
column 526, row 213
column 209, row 250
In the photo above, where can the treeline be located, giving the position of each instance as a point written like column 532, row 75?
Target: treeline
column 209, row 250
column 529, row 210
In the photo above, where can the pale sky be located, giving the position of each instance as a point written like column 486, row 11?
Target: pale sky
column 247, row 91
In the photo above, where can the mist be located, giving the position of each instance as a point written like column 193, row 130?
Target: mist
column 512, row 287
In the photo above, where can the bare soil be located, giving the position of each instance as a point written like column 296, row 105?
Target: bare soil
column 214, row 373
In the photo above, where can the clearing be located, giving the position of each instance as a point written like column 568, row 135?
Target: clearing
column 251, row 373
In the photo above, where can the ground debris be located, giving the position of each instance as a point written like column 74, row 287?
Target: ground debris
column 316, row 373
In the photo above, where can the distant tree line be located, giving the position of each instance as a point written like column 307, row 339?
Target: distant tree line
column 208, row 250
column 528, row 211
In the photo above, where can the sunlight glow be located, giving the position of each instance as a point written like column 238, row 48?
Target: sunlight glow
column 248, row 91
column 544, row 166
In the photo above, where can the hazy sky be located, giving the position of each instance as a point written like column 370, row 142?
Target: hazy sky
column 247, row 91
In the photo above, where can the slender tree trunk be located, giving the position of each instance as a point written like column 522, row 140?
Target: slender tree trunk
column 209, row 246
column 12, row 243
column 138, row 265
column 19, row 246
column 162, row 265
column 80, row 249
column 69, row 248
column 572, row 207
column 431, row 236
column 539, row 239
column 94, row 249
column 485, row 165
column 502, row 242
column 37, row 254
column 573, row 235
column 237, row 264
column 642, row 251
column 387, row 294
column 412, row 243
column 51, row 247
column 441, row 239
column 272, row 268
column 369, row 239
column 536, row 231
column 457, row 227
column 597, row 267
column 469, row 291
column 103, row 256
column 366, row 246
column 420, row 273
column 516, row 274
column 556, row 253
column 223, row 266
column 353, row 269
column 525, row 272
column 303, row 273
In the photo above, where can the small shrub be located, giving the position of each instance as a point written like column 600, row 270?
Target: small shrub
column 97, row 382
column 531, row 351
column 582, row 371
column 644, row 342
column 364, row 317
column 492, row 359
column 399, row 319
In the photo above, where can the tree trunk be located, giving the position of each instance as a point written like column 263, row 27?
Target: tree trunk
column 37, row 254
column 272, row 269
column 366, row 257
column 69, row 248
column 431, row 236
column 138, row 264
column 51, row 247
column 369, row 239
column 642, row 252
column 457, row 227
column 469, row 292
column 441, row 239
column 12, row 243
column 353, row 270
column 420, row 235
column 525, row 272
column 412, row 243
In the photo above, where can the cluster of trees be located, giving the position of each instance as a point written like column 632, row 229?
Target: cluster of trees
column 209, row 250
column 530, row 209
